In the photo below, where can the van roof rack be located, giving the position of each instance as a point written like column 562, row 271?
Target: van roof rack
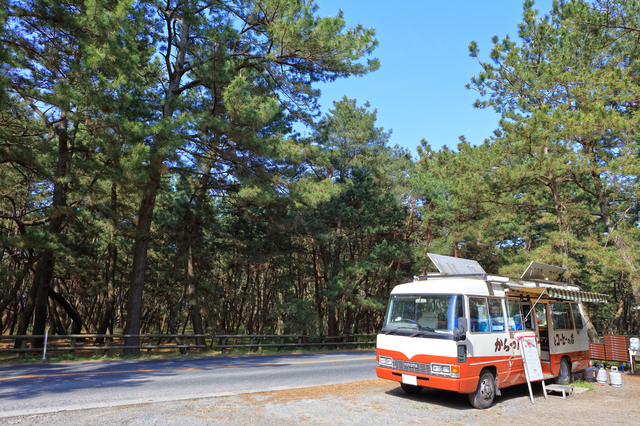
column 484, row 276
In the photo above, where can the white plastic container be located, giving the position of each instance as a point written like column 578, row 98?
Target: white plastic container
column 615, row 378
column 634, row 343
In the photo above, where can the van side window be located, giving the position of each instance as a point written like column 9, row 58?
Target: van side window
column 515, row 315
column 496, row 314
column 478, row 315
column 560, row 316
column 577, row 316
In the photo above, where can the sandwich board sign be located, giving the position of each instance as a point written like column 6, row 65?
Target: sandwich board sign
column 531, row 360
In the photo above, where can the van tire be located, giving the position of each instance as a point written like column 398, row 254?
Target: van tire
column 411, row 389
column 485, row 393
column 564, row 375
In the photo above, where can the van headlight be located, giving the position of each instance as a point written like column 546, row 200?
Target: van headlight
column 445, row 370
column 385, row 361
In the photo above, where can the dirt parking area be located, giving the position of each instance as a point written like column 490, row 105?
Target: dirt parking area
column 372, row 402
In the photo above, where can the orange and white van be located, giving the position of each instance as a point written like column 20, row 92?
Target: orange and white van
column 456, row 330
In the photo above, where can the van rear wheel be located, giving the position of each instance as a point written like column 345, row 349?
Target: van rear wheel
column 564, row 375
column 411, row 389
column 485, row 393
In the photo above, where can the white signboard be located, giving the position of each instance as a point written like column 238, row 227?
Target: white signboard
column 531, row 361
column 531, row 358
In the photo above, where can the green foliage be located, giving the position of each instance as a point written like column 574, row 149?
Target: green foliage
column 557, row 181
column 104, row 98
column 346, row 139
column 148, row 148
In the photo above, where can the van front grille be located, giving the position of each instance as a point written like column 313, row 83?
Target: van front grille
column 412, row 367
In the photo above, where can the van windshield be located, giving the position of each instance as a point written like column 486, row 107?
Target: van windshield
column 433, row 313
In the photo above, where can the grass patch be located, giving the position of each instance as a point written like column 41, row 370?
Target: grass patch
column 583, row 384
column 63, row 357
column 28, row 358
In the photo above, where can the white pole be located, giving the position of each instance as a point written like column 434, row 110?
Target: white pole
column 46, row 336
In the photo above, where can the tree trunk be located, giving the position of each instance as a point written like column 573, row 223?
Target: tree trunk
column 616, row 236
column 107, row 313
column 426, row 248
column 563, row 226
column 332, row 321
column 42, row 297
column 48, row 260
column 605, row 214
column 106, row 316
column 30, row 303
column 76, row 326
column 141, row 246
column 194, row 307
column 27, row 312
column 19, row 281
column 172, row 319
column 407, row 233
column 145, row 214
column 592, row 333
column 317, row 282
column 57, row 326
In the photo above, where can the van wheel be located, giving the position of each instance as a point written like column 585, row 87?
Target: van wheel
column 564, row 376
column 411, row 389
column 485, row 393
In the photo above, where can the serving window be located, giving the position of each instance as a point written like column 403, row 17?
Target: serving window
column 577, row 316
column 560, row 316
column 519, row 315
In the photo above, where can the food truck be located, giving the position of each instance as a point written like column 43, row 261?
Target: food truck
column 458, row 329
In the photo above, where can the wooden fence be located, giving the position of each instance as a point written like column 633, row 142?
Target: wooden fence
column 282, row 341
column 105, row 343
column 72, row 343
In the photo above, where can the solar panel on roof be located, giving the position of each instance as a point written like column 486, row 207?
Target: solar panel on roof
column 455, row 265
column 542, row 271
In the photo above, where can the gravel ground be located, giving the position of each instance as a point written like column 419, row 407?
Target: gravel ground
column 371, row 402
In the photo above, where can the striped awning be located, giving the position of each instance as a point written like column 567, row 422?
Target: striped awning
column 555, row 292
column 578, row 296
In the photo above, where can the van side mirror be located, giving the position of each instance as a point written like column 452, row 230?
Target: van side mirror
column 460, row 332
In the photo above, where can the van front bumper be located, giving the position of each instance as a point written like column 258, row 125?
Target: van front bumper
column 428, row 381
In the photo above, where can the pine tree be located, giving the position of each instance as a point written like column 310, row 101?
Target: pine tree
column 227, row 70
column 64, row 63
column 567, row 93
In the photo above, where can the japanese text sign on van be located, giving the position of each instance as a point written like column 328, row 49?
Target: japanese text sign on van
column 529, row 347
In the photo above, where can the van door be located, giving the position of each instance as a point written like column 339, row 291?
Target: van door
column 542, row 320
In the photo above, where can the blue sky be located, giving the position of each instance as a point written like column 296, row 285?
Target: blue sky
column 419, row 89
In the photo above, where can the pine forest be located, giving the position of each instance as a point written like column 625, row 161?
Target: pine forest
column 154, row 177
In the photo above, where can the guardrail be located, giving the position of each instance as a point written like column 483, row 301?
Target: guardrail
column 115, row 342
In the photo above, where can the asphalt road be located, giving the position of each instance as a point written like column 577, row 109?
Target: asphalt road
column 47, row 388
